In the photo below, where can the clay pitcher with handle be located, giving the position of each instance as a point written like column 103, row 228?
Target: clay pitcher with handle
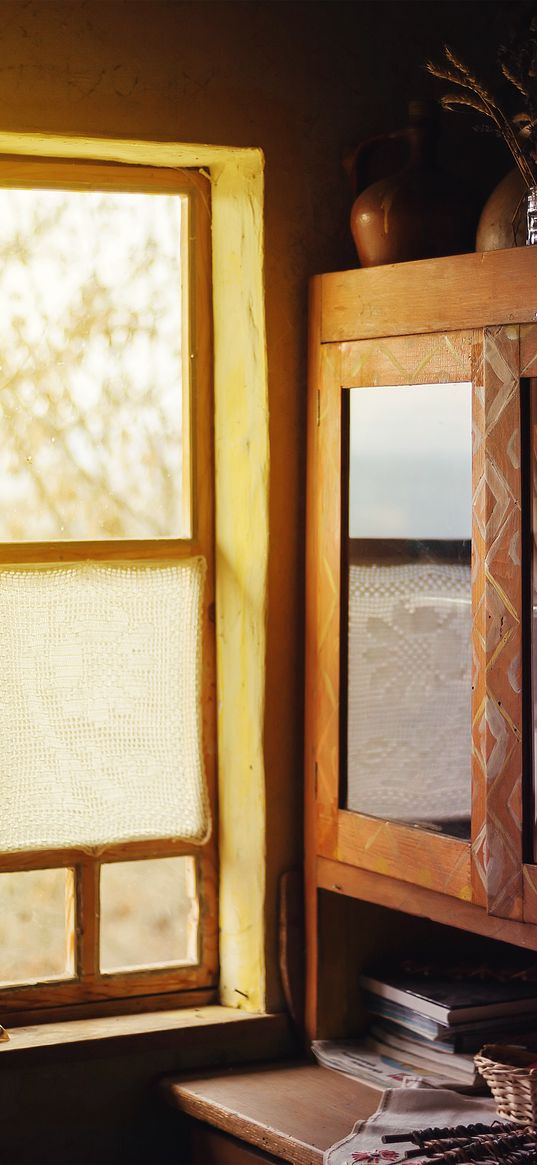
column 417, row 213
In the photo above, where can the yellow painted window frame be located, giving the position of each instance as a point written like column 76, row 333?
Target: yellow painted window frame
column 241, row 541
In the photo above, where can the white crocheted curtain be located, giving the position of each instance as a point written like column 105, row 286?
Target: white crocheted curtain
column 101, row 704
column 409, row 691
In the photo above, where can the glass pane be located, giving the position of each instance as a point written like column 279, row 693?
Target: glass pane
column 36, row 926
column 91, row 435
column 149, row 913
column 409, row 605
column 100, row 719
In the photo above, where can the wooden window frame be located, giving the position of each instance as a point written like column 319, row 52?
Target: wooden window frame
column 92, row 991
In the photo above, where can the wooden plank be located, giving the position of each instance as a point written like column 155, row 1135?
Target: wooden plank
column 291, row 943
column 294, row 1111
column 479, row 631
column 424, row 903
column 208, row 1146
column 402, row 851
column 199, row 353
column 88, row 917
column 322, row 637
column 311, row 678
column 431, row 295
column 443, row 359
column 102, row 1008
column 326, row 646
column 340, row 1011
column 95, row 987
column 394, row 551
column 81, row 174
column 204, row 1027
column 528, row 350
column 45, row 859
column 528, row 359
column 497, row 730
column 71, row 951
column 207, row 886
column 530, row 893
column 126, row 550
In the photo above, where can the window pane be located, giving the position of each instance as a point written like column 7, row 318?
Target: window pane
column 100, row 717
column 91, row 435
column 409, row 605
column 149, row 913
column 36, row 925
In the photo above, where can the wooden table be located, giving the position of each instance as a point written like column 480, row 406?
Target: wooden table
column 291, row 1112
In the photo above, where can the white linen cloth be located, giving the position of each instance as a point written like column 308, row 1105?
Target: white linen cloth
column 403, row 1110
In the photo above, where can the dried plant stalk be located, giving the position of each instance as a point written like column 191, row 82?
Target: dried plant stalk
column 476, row 96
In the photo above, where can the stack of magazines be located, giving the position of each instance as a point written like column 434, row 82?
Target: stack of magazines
column 425, row 1028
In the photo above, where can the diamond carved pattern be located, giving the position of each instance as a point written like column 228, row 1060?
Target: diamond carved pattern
column 492, row 502
column 406, row 359
column 497, row 750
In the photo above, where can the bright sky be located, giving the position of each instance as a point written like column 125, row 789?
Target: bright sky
column 90, row 363
column 411, row 462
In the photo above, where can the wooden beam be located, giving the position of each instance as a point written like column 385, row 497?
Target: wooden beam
column 432, row 295
column 421, row 902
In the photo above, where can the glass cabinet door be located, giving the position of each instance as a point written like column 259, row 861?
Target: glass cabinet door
column 407, row 662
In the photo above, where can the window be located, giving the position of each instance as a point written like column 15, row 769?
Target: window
column 107, row 862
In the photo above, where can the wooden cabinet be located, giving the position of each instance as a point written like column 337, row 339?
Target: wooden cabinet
column 464, row 320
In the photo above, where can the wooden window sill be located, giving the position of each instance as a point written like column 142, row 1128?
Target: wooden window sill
column 205, row 1034
column 292, row 1111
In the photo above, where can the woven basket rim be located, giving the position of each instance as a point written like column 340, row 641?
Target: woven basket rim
column 507, row 1058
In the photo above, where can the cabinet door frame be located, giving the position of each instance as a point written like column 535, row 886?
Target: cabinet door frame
column 489, row 870
column 399, row 851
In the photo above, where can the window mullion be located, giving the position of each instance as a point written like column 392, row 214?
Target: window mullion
column 88, row 876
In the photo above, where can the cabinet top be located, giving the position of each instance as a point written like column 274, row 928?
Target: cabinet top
column 431, row 295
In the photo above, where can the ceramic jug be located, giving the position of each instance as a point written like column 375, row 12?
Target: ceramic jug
column 417, row 213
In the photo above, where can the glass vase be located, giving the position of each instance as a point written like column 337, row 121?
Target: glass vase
column 531, row 212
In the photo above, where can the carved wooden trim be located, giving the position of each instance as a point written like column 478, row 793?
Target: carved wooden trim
column 327, row 630
column 530, row 893
column 400, row 851
column 479, row 785
column 528, row 350
column 442, row 358
column 497, row 719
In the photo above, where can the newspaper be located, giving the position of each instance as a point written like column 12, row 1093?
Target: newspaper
column 357, row 1058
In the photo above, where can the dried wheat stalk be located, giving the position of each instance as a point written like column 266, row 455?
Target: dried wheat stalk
column 475, row 95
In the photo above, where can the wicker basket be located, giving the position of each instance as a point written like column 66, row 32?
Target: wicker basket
column 511, row 1079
